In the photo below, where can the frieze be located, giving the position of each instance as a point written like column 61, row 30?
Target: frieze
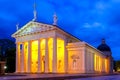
column 34, row 36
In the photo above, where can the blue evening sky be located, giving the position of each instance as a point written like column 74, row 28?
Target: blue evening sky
column 89, row 20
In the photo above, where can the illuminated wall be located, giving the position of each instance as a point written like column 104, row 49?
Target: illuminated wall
column 60, row 55
column 50, row 51
column 34, row 54
column 100, row 63
column 42, row 51
column 106, row 65
column 25, row 56
column 95, row 62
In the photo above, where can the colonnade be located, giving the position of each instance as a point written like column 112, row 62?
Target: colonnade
column 100, row 64
column 42, row 55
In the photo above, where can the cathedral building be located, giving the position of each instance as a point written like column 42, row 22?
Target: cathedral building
column 44, row 48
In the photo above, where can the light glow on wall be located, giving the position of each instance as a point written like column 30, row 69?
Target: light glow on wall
column 34, row 52
column 100, row 63
column 95, row 62
column 106, row 65
column 50, row 51
column 42, row 51
column 60, row 55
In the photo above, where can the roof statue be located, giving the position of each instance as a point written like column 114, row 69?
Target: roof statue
column 17, row 26
column 55, row 19
column 35, row 12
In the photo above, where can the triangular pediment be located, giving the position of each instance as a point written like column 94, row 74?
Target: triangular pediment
column 31, row 28
column 36, row 27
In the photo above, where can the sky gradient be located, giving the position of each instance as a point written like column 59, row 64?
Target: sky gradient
column 89, row 20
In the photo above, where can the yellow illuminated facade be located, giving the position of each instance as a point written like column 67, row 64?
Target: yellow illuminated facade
column 100, row 63
column 60, row 55
column 50, row 50
column 42, row 48
column 34, row 56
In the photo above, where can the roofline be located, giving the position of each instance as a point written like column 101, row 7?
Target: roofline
column 93, row 48
column 26, row 26
column 48, row 25
column 67, row 33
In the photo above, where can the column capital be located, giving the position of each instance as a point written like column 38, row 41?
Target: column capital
column 17, row 42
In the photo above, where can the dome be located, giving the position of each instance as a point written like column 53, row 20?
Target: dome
column 103, row 46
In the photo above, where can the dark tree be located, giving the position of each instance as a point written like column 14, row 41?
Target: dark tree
column 7, row 53
column 118, row 65
column 10, row 60
column 114, row 66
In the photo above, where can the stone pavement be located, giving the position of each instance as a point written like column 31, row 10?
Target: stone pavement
column 111, row 77
column 15, row 76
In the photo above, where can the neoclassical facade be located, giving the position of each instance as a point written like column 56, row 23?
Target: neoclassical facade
column 43, row 48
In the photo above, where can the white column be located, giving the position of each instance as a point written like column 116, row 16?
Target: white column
column 39, row 58
column 29, row 56
column 46, row 56
column 17, row 58
column 54, row 66
column 22, row 58
column 65, row 56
